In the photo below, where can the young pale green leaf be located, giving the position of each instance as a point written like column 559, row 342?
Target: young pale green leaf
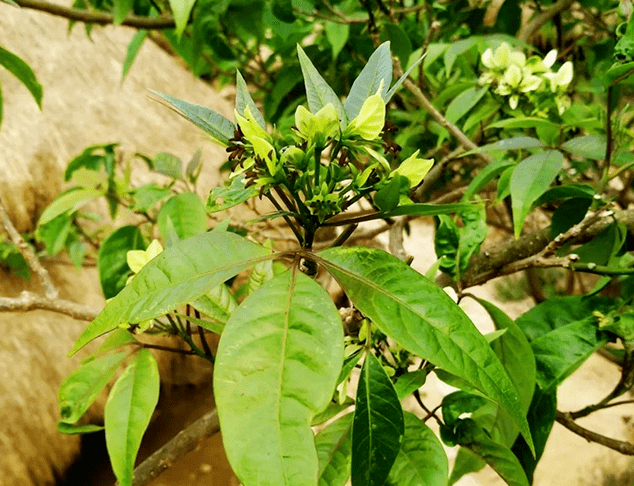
column 464, row 102
column 422, row 459
column 499, row 457
column 530, row 179
column 409, row 383
column 208, row 120
column 561, row 351
column 377, row 428
column 423, row 319
column 120, row 10
column 111, row 261
column 181, row 274
column 23, row 72
column 187, row 213
column 244, row 99
column 69, row 201
column 277, row 365
column 217, row 304
column 181, row 9
column 377, row 70
column 82, row 386
column 334, row 449
column 129, row 408
column 221, row 198
column 116, row 339
column 133, row 50
column 260, row 273
column 318, row 92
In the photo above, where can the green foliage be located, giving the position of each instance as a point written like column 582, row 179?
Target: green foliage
column 21, row 70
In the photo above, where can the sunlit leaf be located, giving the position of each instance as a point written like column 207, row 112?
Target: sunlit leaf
column 334, row 449
column 277, row 365
column 186, row 212
column 377, row 70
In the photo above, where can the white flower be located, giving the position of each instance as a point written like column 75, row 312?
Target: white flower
column 562, row 78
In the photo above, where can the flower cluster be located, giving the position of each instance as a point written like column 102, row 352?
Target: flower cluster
column 528, row 80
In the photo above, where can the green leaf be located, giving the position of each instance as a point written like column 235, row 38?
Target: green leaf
column 133, row 50
column 588, row 146
column 69, row 201
column 72, row 429
column 337, row 35
column 530, row 179
column 388, row 196
column 423, row 319
column 564, row 192
column 513, row 143
column 523, row 122
column 120, row 10
column 427, row 209
column 561, row 351
column 82, row 386
column 187, row 213
column 24, row 73
column 399, row 41
column 179, row 275
column 129, row 408
column 541, row 418
column 181, row 10
column 276, row 367
column 568, row 214
column 463, row 103
column 218, row 303
column 54, row 234
column 377, row 70
column 377, row 428
column 112, row 260
column 334, row 449
column 457, row 403
column 221, row 198
column 146, row 196
column 409, row 383
column 244, row 99
column 11, row 2
column 466, row 462
column 456, row 49
column 283, row 10
column 116, row 339
column 422, row 459
column 260, row 273
column 348, row 365
column 213, row 326
column 168, row 164
column 216, row 125
column 485, row 176
column 318, row 91
column 333, row 408
column 499, row 457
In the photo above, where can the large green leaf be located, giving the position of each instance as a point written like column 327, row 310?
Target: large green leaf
column 378, row 427
column 186, row 212
column 217, row 304
column 277, row 365
column 129, row 408
column 464, row 102
column 530, row 179
column 222, row 197
column 82, row 386
column 179, row 275
column 377, row 70
column 112, row 260
column 23, row 72
column 208, row 120
column 422, row 459
column 486, row 175
column 499, row 457
column 318, row 91
column 334, row 449
column 423, row 319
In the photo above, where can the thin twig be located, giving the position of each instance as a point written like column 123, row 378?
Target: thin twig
column 28, row 301
column 100, row 18
column 50, row 289
column 623, row 447
column 185, row 441
column 536, row 23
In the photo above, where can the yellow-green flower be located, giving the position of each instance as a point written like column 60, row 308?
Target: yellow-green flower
column 317, row 128
column 560, row 80
column 250, row 126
